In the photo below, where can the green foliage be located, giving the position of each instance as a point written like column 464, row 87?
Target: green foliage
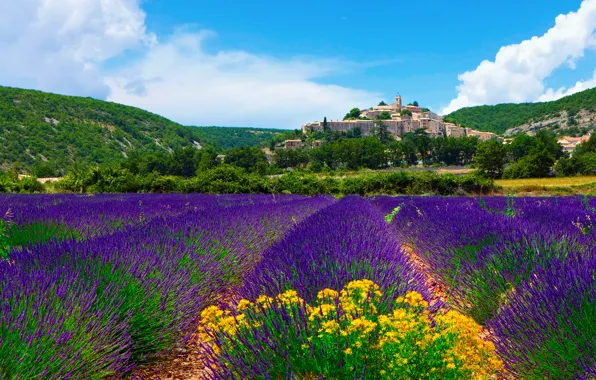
column 225, row 138
column 291, row 158
column 37, row 126
column 389, row 217
column 4, row 235
column 382, row 103
column 384, row 115
column 537, row 164
column 353, row 114
column 250, row 159
column 351, row 154
column 415, row 104
column 501, row 117
column 227, row 179
column 490, row 158
column 405, row 112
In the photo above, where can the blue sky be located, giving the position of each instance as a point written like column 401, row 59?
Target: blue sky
column 417, row 48
column 281, row 64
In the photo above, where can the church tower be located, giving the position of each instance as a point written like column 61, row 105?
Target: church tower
column 398, row 102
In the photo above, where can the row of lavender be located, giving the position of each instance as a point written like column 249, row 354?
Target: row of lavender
column 524, row 267
column 348, row 241
column 132, row 278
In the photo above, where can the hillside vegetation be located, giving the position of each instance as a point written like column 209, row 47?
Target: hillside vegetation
column 38, row 127
column 500, row 118
column 224, row 138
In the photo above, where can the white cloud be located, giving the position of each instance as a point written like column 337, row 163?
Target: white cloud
column 60, row 45
column 179, row 79
column 579, row 86
column 518, row 72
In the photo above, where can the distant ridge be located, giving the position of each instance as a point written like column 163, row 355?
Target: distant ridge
column 577, row 110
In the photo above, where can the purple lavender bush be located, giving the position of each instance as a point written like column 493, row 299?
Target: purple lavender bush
column 547, row 329
column 482, row 253
column 344, row 242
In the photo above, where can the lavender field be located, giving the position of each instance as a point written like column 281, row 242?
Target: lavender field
column 294, row 287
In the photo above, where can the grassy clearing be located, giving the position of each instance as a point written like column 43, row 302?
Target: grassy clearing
column 546, row 182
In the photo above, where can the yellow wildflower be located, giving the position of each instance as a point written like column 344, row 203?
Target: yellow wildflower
column 243, row 305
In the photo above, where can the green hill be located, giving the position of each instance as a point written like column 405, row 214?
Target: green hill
column 502, row 117
column 38, row 127
column 224, row 138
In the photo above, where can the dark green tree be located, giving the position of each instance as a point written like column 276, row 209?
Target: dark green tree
column 384, row 115
column 246, row 158
column 491, row 157
column 353, row 114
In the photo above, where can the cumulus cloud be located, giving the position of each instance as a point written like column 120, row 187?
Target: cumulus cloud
column 183, row 81
column 60, row 45
column 518, row 71
column 579, row 86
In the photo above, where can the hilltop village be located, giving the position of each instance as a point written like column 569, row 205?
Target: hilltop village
column 399, row 120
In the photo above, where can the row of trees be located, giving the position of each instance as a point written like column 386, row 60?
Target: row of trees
column 350, row 151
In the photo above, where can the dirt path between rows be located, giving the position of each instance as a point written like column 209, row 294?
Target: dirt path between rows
column 437, row 288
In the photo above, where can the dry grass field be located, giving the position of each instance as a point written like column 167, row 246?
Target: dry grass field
column 546, row 182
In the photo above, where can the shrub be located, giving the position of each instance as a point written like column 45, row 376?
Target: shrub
column 342, row 336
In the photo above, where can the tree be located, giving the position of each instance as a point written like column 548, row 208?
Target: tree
column 353, row 114
column 384, row 115
column 290, row 158
column 382, row 132
column 491, row 157
column 405, row 112
column 537, row 164
column 44, row 170
column 382, row 103
column 415, row 104
column 521, row 146
column 246, row 158
column 207, row 161
column 395, row 154
column 325, row 124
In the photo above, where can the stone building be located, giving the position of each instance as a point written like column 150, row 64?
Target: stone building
column 398, row 124
column 293, row 144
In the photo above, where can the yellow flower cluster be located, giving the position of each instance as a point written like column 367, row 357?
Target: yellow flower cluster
column 358, row 296
column 397, row 344
column 470, row 349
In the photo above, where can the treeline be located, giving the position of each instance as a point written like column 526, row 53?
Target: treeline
column 227, row 179
column 501, row 117
column 350, row 151
column 11, row 183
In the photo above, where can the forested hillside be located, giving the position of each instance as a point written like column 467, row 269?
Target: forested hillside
column 564, row 112
column 38, row 127
column 223, row 138
column 50, row 131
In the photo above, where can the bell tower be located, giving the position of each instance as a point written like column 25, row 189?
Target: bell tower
column 398, row 102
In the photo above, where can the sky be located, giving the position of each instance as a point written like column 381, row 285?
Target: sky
column 280, row 64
